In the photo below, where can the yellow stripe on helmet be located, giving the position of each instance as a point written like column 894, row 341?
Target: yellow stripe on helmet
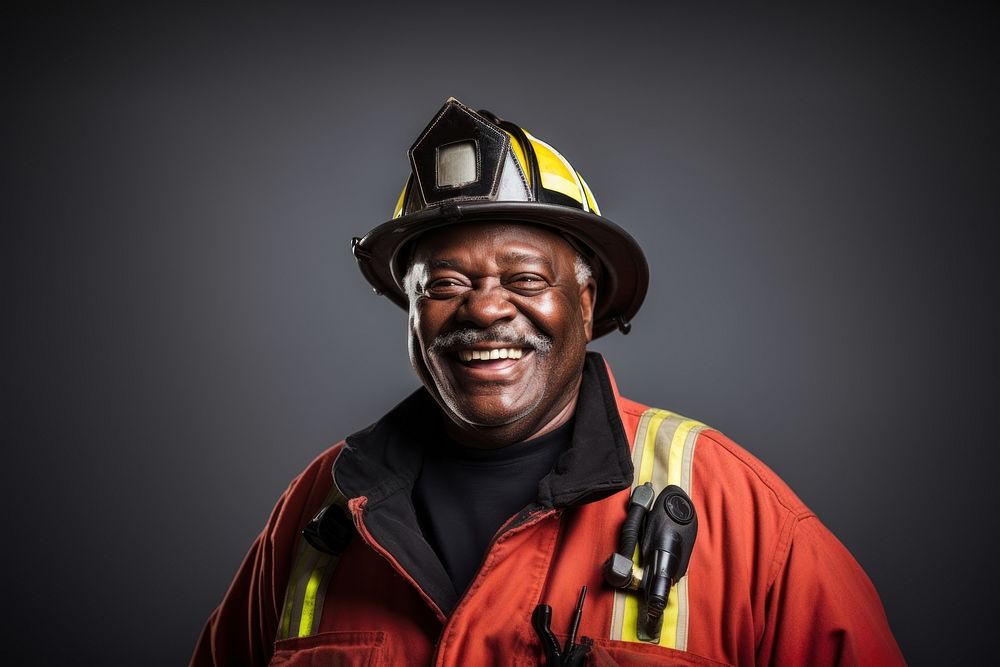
column 401, row 202
column 557, row 174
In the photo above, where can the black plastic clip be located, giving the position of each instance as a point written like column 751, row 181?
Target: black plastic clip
column 572, row 654
column 665, row 530
column 330, row 530
column 359, row 253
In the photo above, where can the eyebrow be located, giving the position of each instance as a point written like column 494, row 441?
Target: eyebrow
column 525, row 258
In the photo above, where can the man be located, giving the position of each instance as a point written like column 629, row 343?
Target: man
column 438, row 534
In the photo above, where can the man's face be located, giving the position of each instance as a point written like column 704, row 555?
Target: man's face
column 498, row 326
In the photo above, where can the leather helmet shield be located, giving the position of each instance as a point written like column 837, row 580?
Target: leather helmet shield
column 462, row 156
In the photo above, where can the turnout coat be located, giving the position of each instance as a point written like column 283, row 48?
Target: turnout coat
column 767, row 583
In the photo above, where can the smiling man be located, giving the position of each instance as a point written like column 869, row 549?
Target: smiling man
column 517, row 509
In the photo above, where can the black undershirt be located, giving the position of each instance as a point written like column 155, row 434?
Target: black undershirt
column 463, row 495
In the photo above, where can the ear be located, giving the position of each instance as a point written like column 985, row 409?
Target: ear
column 588, row 299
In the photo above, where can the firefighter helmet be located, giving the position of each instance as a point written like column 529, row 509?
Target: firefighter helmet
column 468, row 167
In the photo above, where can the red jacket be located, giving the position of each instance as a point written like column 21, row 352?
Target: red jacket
column 767, row 582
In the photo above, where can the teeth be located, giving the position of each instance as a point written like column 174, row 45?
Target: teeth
column 483, row 355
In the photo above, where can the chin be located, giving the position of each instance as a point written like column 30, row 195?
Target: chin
column 485, row 416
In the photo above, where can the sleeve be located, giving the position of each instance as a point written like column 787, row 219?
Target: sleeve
column 821, row 608
column 242, row 628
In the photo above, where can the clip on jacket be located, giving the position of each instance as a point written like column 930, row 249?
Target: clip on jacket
column 666, row 530
column 573, row 654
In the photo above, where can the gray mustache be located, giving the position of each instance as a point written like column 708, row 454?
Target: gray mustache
column 498, row 333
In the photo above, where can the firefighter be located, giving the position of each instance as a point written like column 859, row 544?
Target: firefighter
column 473, row 523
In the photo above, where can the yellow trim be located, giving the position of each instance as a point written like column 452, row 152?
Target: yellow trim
column 398, row 211
column 309, row 601
column 649, row 446
column 300, row 565
column 645, row 473
column 304, row 597
column 555, row 170
column 668, row 636
column 677, row 443
column 670, row 467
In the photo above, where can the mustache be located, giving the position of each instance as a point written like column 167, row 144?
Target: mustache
column 498, row 333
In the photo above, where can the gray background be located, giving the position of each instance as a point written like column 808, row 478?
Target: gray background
column 185, row 329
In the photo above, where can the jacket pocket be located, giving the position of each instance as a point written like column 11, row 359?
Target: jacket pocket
column 611, row 653
column 332, row 649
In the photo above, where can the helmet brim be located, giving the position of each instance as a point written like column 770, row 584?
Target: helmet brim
column 624, row 273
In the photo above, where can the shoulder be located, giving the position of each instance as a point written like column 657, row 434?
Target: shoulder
column 711, row 461
column 307, row 493
column 745, row 511
column 723, row 464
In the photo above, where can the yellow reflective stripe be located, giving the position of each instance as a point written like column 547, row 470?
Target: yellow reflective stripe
column 301, row 560
column 681, row 588
column 306, row 589
column 685, row 433
column 649, row 446
column 647, row 461
column 663, row 454
column 625, row 609
column 638, row 451
column 646, row 470
column 678, row 445
column 309, row 600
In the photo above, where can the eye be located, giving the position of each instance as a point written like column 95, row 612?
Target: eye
column 527, row 282
column 444, row 287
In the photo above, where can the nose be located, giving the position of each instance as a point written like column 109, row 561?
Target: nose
column 486, row 304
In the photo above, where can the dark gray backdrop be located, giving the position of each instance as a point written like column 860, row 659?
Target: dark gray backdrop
column 185, row 329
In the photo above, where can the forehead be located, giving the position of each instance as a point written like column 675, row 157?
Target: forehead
column 492, row 241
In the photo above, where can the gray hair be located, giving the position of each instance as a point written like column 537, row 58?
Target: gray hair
column 582, row 270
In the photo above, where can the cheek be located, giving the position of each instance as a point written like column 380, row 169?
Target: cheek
column 556, row 314
column 426, row 320
column 418, row 338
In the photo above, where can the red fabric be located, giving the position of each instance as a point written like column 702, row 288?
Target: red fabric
column 767, row 584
